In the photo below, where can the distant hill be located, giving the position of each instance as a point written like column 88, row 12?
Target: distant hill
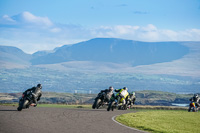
column 110, row 50
column 98, row 63
column 12, row 56
column 115, row 51
column 111, row 55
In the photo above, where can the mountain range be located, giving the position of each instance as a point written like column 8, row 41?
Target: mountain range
column 100, row 62
column 101, row 50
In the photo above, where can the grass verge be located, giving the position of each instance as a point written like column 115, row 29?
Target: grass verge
column 161, row 121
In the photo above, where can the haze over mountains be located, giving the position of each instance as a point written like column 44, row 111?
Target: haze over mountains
column 104, row 56
column 14, row 55
column 115, row 51
column 102, row 50
column 113, row 55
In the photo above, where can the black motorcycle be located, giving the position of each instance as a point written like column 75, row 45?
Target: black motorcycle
column 113, row 102
column 25, row 101
column 100, row 100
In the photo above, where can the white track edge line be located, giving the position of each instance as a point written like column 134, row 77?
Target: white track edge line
column 113, row 118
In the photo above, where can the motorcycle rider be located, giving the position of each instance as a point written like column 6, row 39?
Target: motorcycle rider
column 122, row 94
column 108, row 92
column 196, row 100
column 130, row 99
column 36, row 93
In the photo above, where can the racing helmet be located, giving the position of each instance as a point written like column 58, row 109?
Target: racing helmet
column 125, row 88
column 133, row 93
column 39, row 86
column 196, row 95
column 111, row 88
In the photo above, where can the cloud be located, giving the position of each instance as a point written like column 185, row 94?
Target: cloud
column 32, row 33
column 7, row 19
column 147, row 33
column 55, row 30
column 128, row 32
column 30, row 18
column 25, row 19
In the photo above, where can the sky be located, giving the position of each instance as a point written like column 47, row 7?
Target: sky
column 34, row 25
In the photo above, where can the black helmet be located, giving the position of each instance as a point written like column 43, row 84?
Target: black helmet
column 39, row 86
column 125, row 88
column 111, row 88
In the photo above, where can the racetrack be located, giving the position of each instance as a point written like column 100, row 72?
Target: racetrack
column 60, row 120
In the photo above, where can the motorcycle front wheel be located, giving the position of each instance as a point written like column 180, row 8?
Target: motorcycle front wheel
column 110, row 105
column 20, row 105
column 95, row 104
column 19, row 108
column 98, row 103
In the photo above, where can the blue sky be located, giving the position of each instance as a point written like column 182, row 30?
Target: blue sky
column 45, row 24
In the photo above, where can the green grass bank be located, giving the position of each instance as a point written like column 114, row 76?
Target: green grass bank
column 162, row 121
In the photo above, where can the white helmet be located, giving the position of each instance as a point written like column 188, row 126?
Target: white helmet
column 196, row 95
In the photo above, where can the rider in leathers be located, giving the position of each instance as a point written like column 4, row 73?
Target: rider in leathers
column 36, row 93
column 122, row 93
column 108, row 92
column 196, row 100
column 130, row 99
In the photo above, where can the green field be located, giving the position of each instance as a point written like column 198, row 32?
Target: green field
column 161, row 121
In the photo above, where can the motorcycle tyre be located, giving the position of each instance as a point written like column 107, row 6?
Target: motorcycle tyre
column 95, row 103
column 19, row 108
column 98, row 103
column 109, row 106
column 25, row 104
column 93, row 106
column 112, row 108
column 20, row 105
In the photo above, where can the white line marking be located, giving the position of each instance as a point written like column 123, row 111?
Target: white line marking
column 113, row 118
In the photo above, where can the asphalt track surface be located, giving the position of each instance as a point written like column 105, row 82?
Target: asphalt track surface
column 60, row 120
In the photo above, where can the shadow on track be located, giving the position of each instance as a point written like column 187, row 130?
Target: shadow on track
column 86, row 109
column 8, row 110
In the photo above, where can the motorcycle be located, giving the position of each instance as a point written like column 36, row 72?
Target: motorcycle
column 130, row 100
column 100, row 100
column 128, row 104
column 113, row 103
column 192, row 107
column 25, row 101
